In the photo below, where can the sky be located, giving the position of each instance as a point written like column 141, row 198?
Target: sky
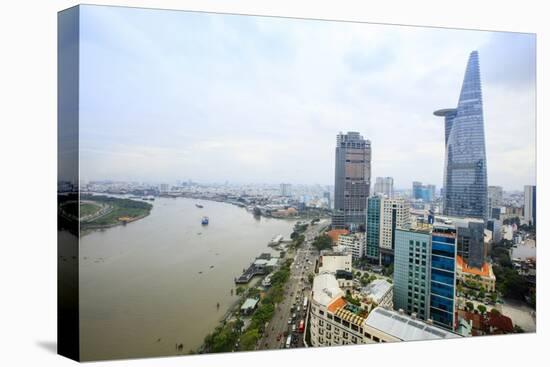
column 173, row 95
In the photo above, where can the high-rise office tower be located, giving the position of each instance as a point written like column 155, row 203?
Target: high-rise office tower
column 494, row 198
column 470, row 244
column 384, row 216
column 411, row 281
column 394, row 213
column 424, row 192
column 384, row 186
column 465, row 176
column 372, row 237
column 286, row 189
column 443, row 276
column 530, row 204
column 424, row 273
column 351, row 181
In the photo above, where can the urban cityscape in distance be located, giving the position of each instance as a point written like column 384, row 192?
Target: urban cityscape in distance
column 422, row 229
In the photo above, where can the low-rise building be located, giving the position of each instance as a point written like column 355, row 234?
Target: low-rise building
column 331, row 261
column 333, row 321
column 354, row 243
column 249, row 306
column 379, row 292
column 484, row 276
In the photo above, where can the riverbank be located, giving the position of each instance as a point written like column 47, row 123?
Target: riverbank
column 113, row 212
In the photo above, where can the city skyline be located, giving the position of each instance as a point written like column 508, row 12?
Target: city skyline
column 278, row 96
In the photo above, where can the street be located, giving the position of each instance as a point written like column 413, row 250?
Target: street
column 290, row 312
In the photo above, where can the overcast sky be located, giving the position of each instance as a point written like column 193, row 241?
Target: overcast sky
column 169, row 95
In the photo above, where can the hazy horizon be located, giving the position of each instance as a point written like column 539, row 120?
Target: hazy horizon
column 174, row 95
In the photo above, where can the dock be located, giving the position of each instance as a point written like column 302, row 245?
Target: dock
column 261, row 266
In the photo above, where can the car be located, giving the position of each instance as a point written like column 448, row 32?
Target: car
column 290, row 321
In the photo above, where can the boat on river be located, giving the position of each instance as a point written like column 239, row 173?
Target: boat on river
column 204, row 221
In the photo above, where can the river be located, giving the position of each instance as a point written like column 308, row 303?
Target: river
column 152, row 284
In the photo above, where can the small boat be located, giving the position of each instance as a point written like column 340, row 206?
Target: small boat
column 204, row 221
column 199, row 206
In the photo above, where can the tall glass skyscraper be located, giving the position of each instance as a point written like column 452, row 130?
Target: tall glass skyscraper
column 465, row 176
column 351, row 181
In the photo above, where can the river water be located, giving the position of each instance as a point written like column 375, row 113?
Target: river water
column 154, row 283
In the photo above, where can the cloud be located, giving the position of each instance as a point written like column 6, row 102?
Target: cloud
column 251, row 99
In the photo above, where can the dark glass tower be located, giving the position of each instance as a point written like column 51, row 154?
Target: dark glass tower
column 351, row 181
column 465, row 176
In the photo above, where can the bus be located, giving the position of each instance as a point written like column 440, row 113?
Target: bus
column 301, row 327
column 288, row 340
column 305, row 303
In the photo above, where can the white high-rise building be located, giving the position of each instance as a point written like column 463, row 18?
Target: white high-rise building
column 394, row 213
column 384, row 186
column 286, row 189
column 354, row 243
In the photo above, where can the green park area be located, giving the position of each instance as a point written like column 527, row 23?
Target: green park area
column 104, row 211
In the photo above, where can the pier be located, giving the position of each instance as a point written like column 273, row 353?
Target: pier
column 261, row 266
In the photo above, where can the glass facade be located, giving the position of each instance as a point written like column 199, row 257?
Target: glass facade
column 442, row 278
column 411, row 272
column 351, row 181
column 465, row 176
column 373, row 227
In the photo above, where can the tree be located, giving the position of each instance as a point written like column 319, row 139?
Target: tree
column 240, row 290
column 469, row 306
column 249, row 339
column 322, row 242
column 482, row 309
column 495, row 312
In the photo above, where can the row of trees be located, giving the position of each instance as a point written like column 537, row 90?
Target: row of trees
column 225, row 337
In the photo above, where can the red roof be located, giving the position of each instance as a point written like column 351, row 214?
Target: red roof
column 335, row 233
column 484, row 271
column 500, row 323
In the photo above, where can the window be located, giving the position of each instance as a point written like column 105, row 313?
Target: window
column 376, row 339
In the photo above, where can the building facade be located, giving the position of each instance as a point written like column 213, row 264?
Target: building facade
column 424, row 192
column 374, row 204
column 332, row 261
column 494, row 198
column 530, row 204
column 334, row 322
column 424, row 273
column 411, row 274
column 351, row 180
column 384, row 215
column 470, row 244
column 443, row 276
column 383, row 186
column 286, row 189
column 394, row 213
column 465, row 175
column 353, row 243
